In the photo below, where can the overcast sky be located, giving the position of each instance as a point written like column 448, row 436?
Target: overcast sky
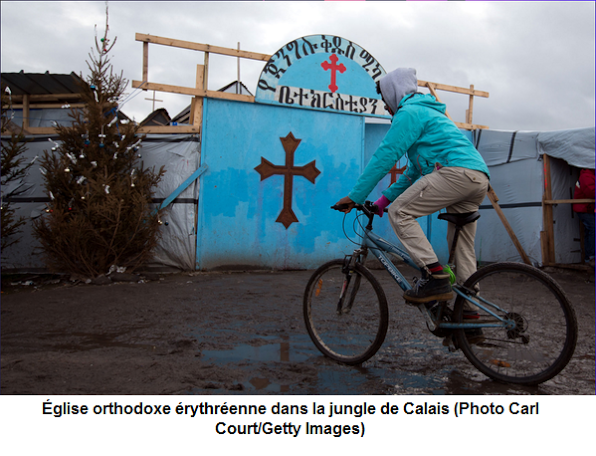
column 535, row 59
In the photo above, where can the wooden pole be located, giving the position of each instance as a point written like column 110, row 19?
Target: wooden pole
column 492, row 196
column 25, row 112
column 196, row 106
column 470, row 111
column 145, row 62
column 206, row 72
column 548, row 253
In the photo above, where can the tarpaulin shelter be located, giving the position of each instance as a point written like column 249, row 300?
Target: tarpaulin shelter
column 534, row 174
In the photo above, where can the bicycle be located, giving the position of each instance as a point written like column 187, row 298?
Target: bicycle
column 514, row 339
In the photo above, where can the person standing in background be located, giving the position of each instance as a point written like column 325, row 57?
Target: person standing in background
column 584, row 189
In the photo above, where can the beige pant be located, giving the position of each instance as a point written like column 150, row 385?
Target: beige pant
column 457, row 189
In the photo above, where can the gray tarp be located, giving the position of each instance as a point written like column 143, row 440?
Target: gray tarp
column 516, row 166
column 180, row 154
column 576, row 147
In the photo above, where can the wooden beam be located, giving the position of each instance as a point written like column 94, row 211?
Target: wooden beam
column 50, row 105
column 25, row 112
column 547, row 214
column 42, row 130
column 468, row 126
column 193, row 91
column 492, row 196
column 169, row 129
column 200, row 47
column 48, row 97
column 450, row 88
column 145, row 61
column 206, row 75
column 470, row 111
column 431, row 87
column 196, row 104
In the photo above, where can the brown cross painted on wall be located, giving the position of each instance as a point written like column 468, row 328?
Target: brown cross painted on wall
column 267, row 169
column 395, row 171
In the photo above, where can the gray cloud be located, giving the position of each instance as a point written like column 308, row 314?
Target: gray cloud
column 535, row 59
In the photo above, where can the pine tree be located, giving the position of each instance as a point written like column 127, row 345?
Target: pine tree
column 100, row 212
column 13, row 169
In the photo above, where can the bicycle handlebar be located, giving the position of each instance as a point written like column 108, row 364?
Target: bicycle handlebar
column 369, row 209
column 366, row 207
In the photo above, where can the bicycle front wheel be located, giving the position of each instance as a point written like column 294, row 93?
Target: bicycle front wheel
column 540, row 330
column 345, row 312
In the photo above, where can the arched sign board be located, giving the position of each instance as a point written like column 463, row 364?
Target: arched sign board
column 323, row 72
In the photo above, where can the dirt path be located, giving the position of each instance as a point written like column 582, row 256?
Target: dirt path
column 233, row 333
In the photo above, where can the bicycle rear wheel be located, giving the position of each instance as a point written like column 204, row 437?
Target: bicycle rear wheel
column 352, row 329
column 542, row 332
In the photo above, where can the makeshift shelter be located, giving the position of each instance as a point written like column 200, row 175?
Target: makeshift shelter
column 534, row 174
column 250, row 179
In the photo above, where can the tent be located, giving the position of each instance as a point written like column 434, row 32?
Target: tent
column 533, row 174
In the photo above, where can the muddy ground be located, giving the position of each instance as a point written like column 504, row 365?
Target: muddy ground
column 232, row 333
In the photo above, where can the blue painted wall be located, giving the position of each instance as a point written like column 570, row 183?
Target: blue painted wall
column 237, row 211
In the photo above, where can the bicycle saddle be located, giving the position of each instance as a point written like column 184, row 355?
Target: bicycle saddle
column 460, row 219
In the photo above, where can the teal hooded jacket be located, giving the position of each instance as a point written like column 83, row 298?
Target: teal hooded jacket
column 421, row 130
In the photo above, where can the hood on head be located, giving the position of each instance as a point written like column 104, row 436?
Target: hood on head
column 396, row 85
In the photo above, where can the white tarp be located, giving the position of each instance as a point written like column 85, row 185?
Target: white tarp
column 180, row 154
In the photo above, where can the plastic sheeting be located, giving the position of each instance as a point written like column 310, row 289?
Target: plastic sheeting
column 576, row 147
column 515, row 161
column 180, row 154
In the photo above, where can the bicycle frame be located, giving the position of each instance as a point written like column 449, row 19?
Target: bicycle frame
column 379, row 247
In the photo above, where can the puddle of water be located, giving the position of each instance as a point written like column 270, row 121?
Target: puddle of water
column 284, row 351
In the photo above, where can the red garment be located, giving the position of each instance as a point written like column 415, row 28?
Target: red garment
column 584, row 189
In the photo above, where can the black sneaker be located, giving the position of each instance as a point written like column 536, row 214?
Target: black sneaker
column 435, row 287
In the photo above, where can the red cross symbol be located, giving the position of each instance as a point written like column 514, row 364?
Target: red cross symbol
column 334, row 67
column 267, row 169
column 395, row 171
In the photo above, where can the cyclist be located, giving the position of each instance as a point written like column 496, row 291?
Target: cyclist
column 444, row 171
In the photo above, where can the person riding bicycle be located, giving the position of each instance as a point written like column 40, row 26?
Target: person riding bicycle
column 445, row 171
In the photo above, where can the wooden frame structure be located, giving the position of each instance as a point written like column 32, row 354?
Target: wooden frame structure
column 199, row 91
column 547, row 236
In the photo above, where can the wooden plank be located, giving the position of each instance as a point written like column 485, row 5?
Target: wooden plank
column 433, row 92
column 145, row 61
column 547, row 210
column 42, row 130
column 50, row 105
column 467, row 126
column 201, row 47
column 470, row 111
column 169, row 129
column 196, row 106
column 492, row 196
column 25, row 112
column 544, row 247
column 193, row 91
column 449, row 88
column 168, row 88
column 48, row 97
column 206, row 75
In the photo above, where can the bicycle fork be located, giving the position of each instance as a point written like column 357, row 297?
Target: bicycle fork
column 347, row 270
